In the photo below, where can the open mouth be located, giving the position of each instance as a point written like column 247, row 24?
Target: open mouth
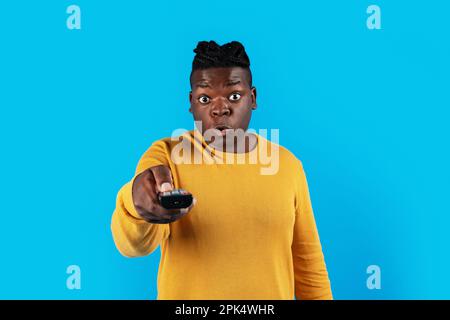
column 223, row 129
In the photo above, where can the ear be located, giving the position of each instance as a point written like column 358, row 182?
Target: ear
column 253, row 92
column 190, row 101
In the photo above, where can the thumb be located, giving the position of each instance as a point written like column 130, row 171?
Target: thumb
column 163, row 178
column 165, row 186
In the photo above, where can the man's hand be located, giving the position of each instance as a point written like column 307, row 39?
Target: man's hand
column 145, row 196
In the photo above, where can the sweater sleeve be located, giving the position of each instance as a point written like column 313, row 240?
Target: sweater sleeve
column 133, row 236
column 311, row 276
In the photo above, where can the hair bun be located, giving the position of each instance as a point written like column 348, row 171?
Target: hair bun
column 209, row 54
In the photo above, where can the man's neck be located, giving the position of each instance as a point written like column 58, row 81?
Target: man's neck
column 239, row 145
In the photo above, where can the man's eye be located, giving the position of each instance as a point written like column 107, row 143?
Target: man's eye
column 203, row 99
column 235, row 97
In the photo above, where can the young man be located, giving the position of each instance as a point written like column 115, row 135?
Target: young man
column 247, row 235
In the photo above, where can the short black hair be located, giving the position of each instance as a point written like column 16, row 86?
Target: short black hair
column 211, row 55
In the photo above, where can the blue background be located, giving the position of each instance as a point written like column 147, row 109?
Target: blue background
column 366, row 111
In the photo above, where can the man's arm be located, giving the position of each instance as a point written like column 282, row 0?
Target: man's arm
column 139, row 223
column 132, row 234
column 311, row 276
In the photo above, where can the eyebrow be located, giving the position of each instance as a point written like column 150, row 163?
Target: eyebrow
column 230, row 83
column 203, row 84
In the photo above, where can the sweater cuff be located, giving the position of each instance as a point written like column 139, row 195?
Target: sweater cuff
column 128, row 200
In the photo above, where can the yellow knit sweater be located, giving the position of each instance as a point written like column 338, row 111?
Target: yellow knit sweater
column 250, row 235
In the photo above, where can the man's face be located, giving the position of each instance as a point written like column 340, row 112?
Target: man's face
column 222, row 98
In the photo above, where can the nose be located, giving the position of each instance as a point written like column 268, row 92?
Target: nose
column 220, row 109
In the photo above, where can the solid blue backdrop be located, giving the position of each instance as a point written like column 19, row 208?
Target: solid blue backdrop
column 365, row 110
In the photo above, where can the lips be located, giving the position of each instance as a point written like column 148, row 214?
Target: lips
column 223, row 129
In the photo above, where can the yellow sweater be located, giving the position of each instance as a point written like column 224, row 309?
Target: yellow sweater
column 250, row 235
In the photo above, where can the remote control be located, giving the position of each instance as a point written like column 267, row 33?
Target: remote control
column 175, row 199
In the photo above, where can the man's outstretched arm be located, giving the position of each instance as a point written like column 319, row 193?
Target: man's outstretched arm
column 132, row 234
column 139, row 223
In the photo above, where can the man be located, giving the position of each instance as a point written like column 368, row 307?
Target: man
column 247, row 235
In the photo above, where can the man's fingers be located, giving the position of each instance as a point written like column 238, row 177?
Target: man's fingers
column 163, row 178
column 156, row 179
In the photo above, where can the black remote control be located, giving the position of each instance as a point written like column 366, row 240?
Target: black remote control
column 175, row 199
